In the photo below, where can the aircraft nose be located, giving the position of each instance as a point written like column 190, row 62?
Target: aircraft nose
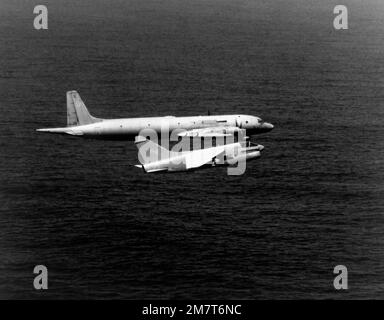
column 260, row 147
column 267, row 126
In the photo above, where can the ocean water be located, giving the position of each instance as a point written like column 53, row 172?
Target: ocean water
column 314, row 200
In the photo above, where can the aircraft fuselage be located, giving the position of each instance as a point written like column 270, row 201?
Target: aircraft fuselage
column 128, row 128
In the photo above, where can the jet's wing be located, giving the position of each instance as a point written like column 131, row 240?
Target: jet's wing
column 221, row 131
column 201, row 157
column 150, row 171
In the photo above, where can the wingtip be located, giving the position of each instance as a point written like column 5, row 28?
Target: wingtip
column 140, row 166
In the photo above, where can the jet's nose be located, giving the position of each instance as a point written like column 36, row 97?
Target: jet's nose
column 260, row 147
column 266, row 126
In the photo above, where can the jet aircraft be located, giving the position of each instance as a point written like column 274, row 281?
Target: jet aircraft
column 161, row 159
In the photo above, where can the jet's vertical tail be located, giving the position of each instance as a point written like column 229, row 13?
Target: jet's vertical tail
column 77, row 112
column 150, row 151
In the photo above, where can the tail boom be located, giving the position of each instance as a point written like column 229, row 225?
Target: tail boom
column 77, row 115
column 65, row 130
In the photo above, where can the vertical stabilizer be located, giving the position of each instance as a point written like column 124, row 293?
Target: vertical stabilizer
column 77, row 112
column 150, row 151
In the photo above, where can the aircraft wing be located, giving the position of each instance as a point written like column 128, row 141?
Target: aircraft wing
column 221, row 131
column 201, row 157
column 150, row 171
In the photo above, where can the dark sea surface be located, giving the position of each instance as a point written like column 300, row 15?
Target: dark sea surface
column 104, row 229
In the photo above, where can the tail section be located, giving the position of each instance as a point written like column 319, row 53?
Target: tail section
column 150, row 151
column 77, row 112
